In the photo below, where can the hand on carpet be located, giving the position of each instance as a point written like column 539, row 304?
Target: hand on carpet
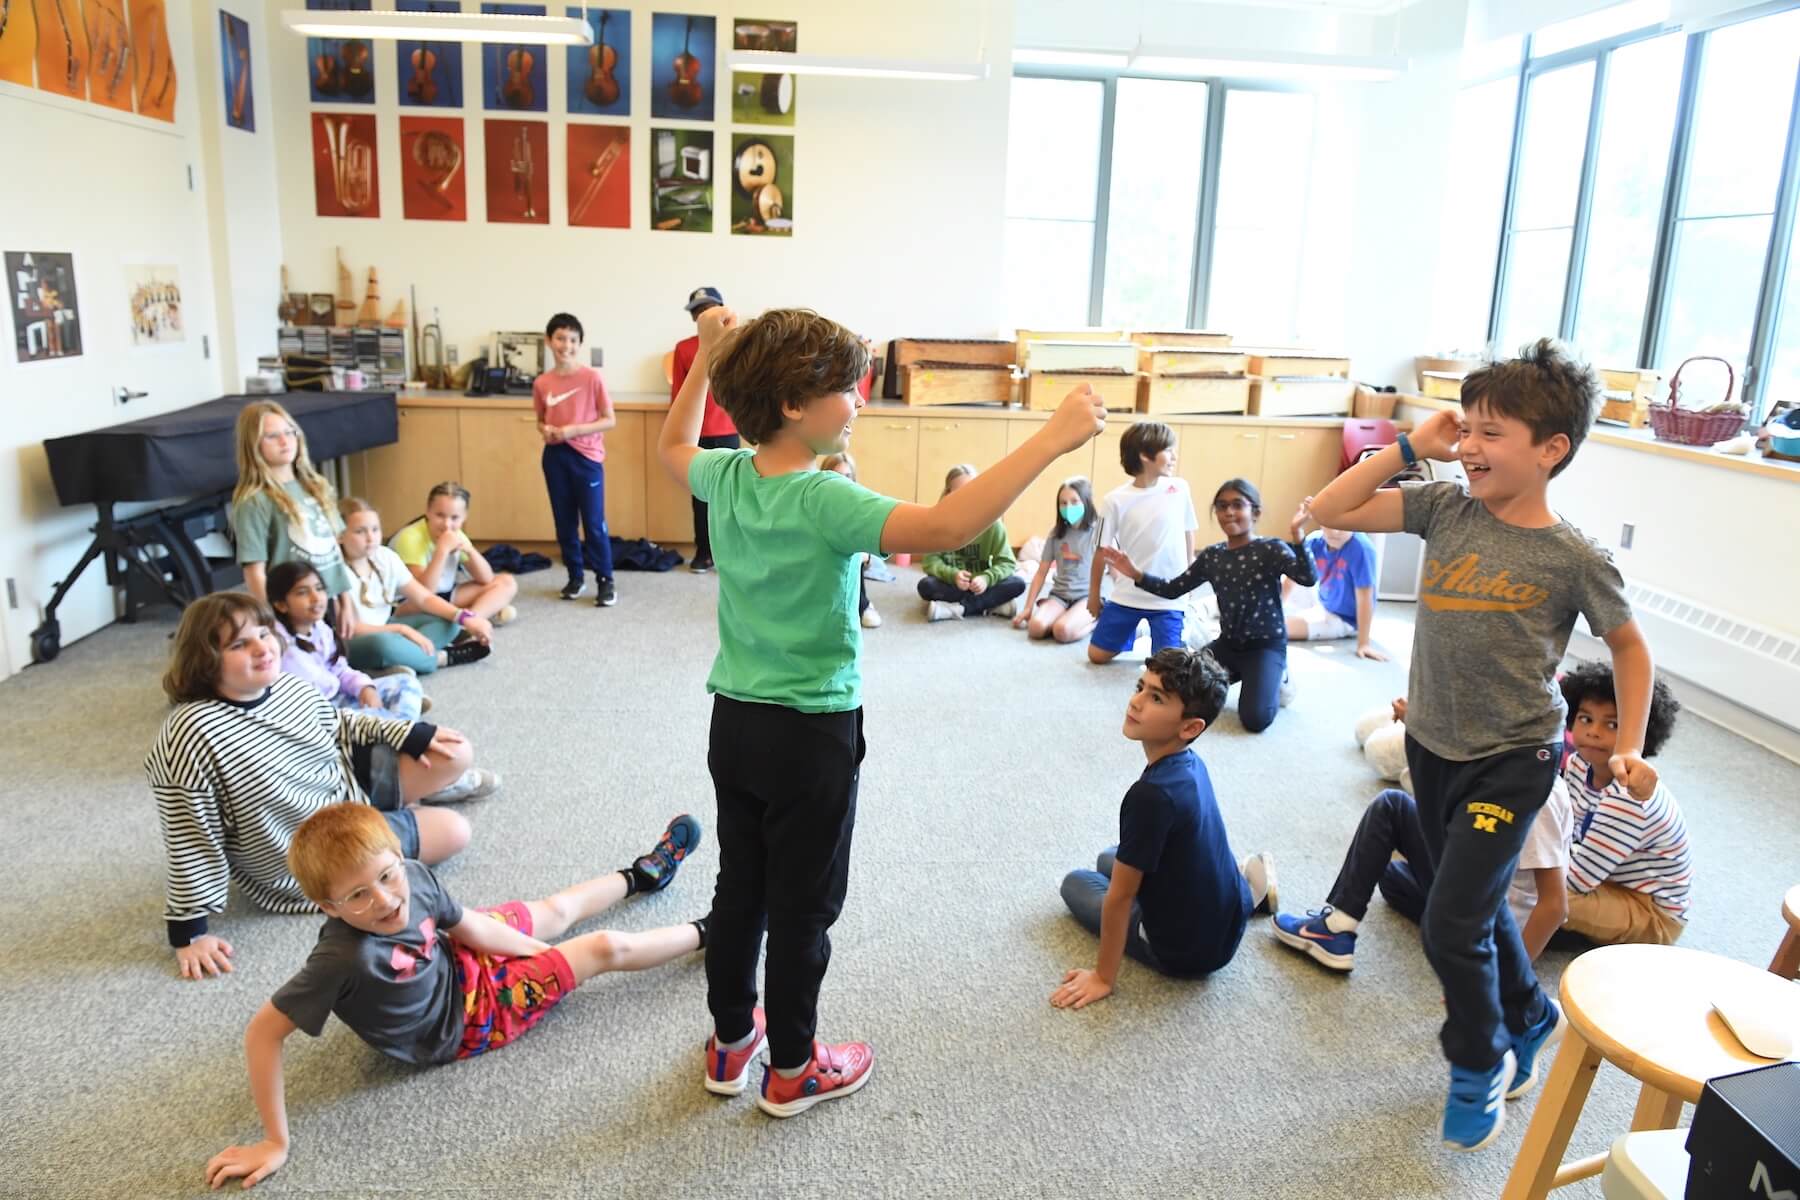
column 252, row 1163
column 1080, row 988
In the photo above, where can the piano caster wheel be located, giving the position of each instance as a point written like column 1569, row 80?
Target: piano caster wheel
column 46, row 642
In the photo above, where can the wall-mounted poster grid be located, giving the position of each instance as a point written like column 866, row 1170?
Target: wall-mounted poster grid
column 513, row 78
column 155, row 305
column 345, row 179
column 433, row 182
column 682, row 67
column 234, row 59
column 109, row 54
column 757, row 97
column 340, row 70
column 518, row 172
column 430, row 73
column 40, row 290
column 600, row 74
column 681, row 180
column 600, row 176
column 762, row 184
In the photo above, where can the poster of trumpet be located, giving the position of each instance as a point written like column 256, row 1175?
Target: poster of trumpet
column 518, row 172
column 513, row 77
column 758, row 97
column 434, row 184
column 762, row 184
column 681, row 180
column 345, row 181
column 431, row 73
column 155, row 305
column 600, row 74
column 600, row 176
column 234, row 53
column 40, row 290
column 340, row 70
column 682, row 70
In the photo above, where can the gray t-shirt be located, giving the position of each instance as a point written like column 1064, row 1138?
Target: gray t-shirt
column 397, row 993
column 1071, row 559
column 1496, row 605
column 266, row 535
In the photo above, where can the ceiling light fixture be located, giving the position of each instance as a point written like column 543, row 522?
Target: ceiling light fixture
column 1038, row 57
column 1313, row 67
column 777, row 62
column 440, row 27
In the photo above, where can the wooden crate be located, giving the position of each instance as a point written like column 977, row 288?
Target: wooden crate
column 1190, row 360
column 1199, row 338
column 1104, row 357
column 1442, row 385
column 1193, row 393
column 1022, row 352
column 1627, row 396
column 904, row 352
column 955, row 383
column 1281, row 364
column 1044, row 390
column 1320, row 397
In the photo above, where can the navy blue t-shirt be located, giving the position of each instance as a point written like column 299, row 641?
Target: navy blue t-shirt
column 1247, row 582
column 1194, row 900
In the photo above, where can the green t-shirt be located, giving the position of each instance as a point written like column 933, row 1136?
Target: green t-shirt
column 265, row 535
column 787, row 550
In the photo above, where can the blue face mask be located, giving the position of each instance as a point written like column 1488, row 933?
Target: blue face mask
column 1072, row 513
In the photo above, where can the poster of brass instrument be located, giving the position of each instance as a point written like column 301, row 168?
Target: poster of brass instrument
column 600, row 176
column 762, row 184
column 518, row 172
column 681, row 180
column 434, row 185
column 155, row 305
column 345, row 180
column 763, row 97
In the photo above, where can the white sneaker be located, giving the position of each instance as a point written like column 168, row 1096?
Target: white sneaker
column 1259, row 873
column 942, row 610
column 1285, row 696
column 1009, row 610
column 475, row 783
column 506, row 616
column 871, row 619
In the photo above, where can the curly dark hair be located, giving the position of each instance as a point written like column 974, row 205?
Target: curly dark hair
column 1195, row 676
column 1546, row 387
column 1594, row 681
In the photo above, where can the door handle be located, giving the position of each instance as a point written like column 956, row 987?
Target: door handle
column 124, row 395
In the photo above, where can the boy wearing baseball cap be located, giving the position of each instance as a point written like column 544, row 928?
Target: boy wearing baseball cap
column 716, row 428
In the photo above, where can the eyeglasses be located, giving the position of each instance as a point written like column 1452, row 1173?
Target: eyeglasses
column 1239, row 505
column 360, row 900
column 279, row 435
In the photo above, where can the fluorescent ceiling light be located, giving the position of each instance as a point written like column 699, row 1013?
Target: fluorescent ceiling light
column 1598, row 26
column 1071, row 58
column 776, row 62
column 440, row 27
column 1266, row 66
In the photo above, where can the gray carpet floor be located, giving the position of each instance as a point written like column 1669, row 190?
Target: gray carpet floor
column 994, row 766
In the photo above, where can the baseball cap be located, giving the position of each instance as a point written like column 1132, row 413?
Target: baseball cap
column 704, row 297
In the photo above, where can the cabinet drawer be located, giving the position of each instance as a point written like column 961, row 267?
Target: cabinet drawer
column 886, row 450
column 945, row 443
column 500, row 467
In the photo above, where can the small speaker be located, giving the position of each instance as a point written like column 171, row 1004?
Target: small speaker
column 1745, row 1140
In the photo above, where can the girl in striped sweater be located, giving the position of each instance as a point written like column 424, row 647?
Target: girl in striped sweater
column 249, row 753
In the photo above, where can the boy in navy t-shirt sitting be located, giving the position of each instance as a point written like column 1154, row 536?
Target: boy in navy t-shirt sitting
column 1345, row 603
column 1170, row 894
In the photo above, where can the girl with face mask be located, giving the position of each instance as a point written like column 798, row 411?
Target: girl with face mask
column 1062, row 612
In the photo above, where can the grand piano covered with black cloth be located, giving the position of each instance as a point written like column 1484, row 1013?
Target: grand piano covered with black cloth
column 190, row 452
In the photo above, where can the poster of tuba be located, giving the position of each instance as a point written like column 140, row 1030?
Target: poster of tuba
column 345, row 181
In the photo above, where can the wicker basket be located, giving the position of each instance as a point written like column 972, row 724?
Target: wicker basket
column 1672, row 423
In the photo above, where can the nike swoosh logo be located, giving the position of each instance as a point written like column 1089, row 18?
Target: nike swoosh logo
column 558, row 399
column 1315, row 936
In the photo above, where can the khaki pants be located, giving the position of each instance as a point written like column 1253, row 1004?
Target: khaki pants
column 1612, row 914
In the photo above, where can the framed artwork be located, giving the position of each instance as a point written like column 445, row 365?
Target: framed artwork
column 433, row 183
column 340, row 70
column 600, row 74
column 682, row 66
column 345, row 179
column 518, row 172
column 109, row 54
column 758, row 97
column 62, row 50
column 155, row 305
column 152, row 63
column 514, row 78
column 600, row 176
column 681, row 180
column 18, row 46
column 762, row 184
column 431, row 73
column 40, row 290
column 234, row 56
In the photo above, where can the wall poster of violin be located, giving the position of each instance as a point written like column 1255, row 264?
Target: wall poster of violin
column 758, row 97
column 430, row 73
column 234, row 56
column 346, row 182
column 600, row 176
column 40, row 290
column 340, row 70
column 433, row 181
column 600, row 74
column 518, row 172
column 514, row 78
column 762, row 184
column 683, row 65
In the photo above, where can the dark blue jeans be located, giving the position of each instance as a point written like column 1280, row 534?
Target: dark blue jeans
column 578, row 503
column 1390, row 823
column 1259, row 667
column 1083, row 892
column 931, row 588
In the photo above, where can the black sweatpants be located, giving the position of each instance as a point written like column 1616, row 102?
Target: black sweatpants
column 786, row 783
column 1390, row 823
column 702, row 533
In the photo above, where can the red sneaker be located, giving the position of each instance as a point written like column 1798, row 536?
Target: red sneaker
column 728, row 1071
column 834, row 1071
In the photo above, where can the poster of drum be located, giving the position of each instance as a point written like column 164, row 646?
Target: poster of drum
column 762, row 184
column 155, row 305
column 763, row 97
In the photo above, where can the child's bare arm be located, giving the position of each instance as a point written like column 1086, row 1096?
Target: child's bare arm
column 1353, row 500
column 263, row 1040
column 680, row 438
column 1634, row 674
column 1031, row 593
column 256, row 580
column 1081, row 987
column 1365, row 620
column 484, row 935
column 1548, row 914
column 476, row 563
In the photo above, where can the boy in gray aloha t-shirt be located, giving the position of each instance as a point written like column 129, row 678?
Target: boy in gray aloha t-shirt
column 1504, row 580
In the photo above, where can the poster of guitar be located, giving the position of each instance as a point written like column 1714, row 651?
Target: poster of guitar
column 684, row 51
column 600, row 74
column 430, row 73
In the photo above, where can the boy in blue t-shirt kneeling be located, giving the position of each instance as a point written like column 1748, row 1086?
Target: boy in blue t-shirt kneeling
column 1170, row 894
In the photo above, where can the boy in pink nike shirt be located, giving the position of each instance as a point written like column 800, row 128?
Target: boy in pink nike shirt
column 573, row 412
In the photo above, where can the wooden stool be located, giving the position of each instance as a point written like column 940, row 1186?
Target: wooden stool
column 1786, row 962
column 1648, row 1011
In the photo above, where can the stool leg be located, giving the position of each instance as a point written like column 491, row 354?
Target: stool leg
column 1558, row 1108
column 1656, row 1109
column 1787, row 959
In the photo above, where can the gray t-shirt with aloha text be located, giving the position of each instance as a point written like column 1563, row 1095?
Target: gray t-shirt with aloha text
column 1496, row 605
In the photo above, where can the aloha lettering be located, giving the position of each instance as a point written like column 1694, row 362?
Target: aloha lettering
column 1461, row 586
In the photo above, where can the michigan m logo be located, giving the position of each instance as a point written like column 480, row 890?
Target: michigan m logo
column 1487, row 824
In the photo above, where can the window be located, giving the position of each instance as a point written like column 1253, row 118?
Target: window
column 1782, row 382
column 1597, row 26
column 1544, row 195
column 1052, row 181
column 1264, row 174
column 1474, row 202
column 1159, row 139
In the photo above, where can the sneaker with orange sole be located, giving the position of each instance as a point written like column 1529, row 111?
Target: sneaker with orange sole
column 834, row 1072
column 728, row 1071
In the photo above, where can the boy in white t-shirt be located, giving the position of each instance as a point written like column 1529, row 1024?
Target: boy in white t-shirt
column 1152, row 520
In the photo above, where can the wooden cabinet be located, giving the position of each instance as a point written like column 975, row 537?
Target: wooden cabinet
column 503, row 472
column 668, row 505
column 397, row 478
column 1296, row 464
column 1211, row 454
column 886, row 450
column 625, row 467
column 1034, row 512
column 945, row 442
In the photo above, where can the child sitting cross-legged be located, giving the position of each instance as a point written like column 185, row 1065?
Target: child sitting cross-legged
column 297, row 594
column 424, row 980
column 979, row 577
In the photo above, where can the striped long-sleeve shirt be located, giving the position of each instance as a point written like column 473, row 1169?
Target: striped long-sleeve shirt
column 1618, row 840
column 233, row 780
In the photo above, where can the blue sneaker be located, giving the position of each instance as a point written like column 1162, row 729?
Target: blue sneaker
column 1475, row 1112
column 1529, row 1047
column 656, row 870
column 1311, row 936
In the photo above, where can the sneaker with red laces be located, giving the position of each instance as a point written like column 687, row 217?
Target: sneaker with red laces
column 834, row 1071
column 728, row 1071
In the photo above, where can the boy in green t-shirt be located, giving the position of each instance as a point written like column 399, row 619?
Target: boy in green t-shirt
column 786, row 743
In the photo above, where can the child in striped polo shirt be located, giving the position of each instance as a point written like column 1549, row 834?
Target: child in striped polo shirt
column 1629, row 867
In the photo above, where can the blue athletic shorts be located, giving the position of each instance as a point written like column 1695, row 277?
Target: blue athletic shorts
column 1117, row 627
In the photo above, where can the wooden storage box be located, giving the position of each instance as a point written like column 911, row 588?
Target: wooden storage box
column 1022, row 352
column 1193, row 393
column 1319, row 397
column 1442, row 385
column 955, row 383
column 1104, row 357
column 904, row 352
column 1044, row 390
column 1450, row 366
column 1279, row 364
column 1199, row 338
column 1191, row 360
column 1627, row 396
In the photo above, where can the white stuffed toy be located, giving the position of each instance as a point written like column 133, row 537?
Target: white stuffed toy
column 1381, row 732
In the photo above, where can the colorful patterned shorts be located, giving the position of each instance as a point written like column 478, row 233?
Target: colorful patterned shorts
column 503, row 997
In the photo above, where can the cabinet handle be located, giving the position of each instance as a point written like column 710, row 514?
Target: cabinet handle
column 1286, row 437
column 527, row 420
column 1250, row 436
column 901, row 425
